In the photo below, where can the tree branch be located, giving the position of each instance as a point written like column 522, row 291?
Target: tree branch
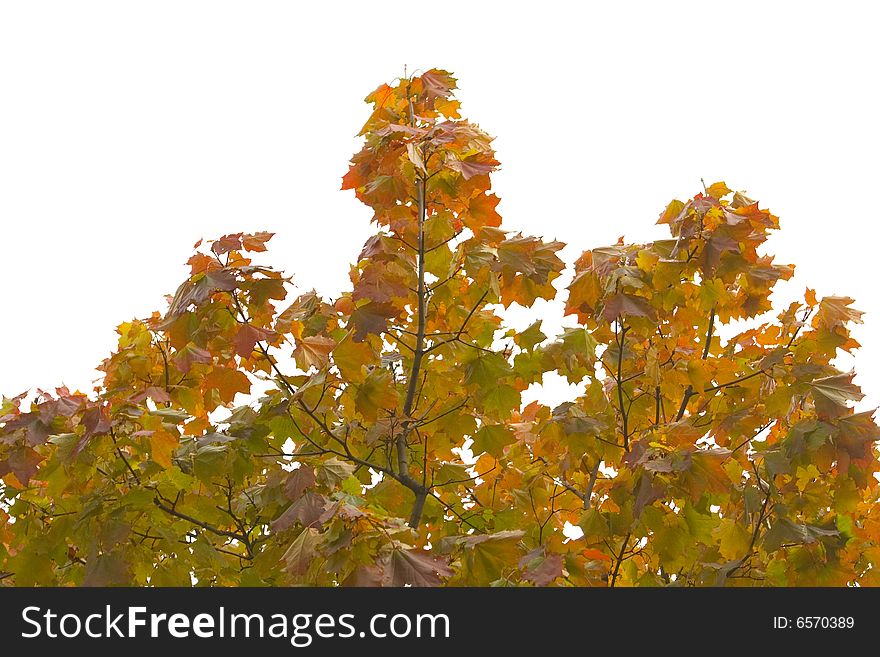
column 620, row 336
column 461, row 330
column 327, row 450
column 122, row 456
column 689, row 391
column 449, row 508
column 757, row 530
column 290, row 389
column 445, row 280
column 588, row 494
column 735, row 381
column 571, row 489
column 199, row 523
column 619, row 559
column 656, row 405
column 424, row 422
column 401, row 441
column 446, row 241
column 463, row 481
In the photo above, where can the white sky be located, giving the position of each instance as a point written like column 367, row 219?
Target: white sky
column 129, row 130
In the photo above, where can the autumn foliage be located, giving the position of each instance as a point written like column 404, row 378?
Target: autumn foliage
column 382, row 440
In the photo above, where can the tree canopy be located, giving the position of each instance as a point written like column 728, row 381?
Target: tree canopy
column 256, row 434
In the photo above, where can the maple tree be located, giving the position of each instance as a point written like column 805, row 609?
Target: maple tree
column 383, row 440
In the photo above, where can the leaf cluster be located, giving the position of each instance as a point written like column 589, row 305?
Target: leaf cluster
column 256, row 434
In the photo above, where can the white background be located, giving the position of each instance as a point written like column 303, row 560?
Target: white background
column 128, row 130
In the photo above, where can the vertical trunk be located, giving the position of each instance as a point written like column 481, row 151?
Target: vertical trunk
column 419, row 351
column 402, row 444
column 415, row 516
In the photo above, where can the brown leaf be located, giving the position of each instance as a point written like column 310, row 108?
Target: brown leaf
column 302, row 552
column 299, row 311
column 715, row 246
column 315, row 350
column 414, row 567
column 627, row 305
column 306, row 510
column 190, row 354
column 372, row 318
column 372, row 247
column 379, row 283
column 155, row 393
column 546, row 571
column 831, row 393
column 366, row 576
column 107, row 569
column 37, row 431
column 198, row 291
column 438, row 83
column 256, row 241
column 227, row 243
column 834, row 311
column 298, row 481
column 647, row 493
column 473, row 165
column 23, row 463
column 95, row 422
column 248, row 336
